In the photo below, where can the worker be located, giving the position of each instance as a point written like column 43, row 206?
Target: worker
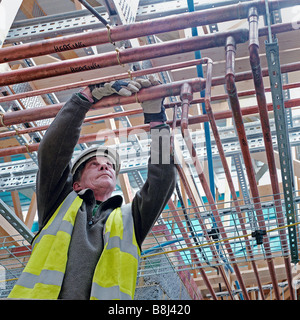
column 89, row 242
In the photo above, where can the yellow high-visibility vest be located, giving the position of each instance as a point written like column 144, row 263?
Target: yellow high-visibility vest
column 116, row 271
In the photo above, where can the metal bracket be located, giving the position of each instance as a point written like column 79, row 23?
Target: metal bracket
column 272, row 52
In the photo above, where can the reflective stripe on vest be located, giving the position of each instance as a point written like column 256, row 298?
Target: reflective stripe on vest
column 116, row 271
column 44, row 272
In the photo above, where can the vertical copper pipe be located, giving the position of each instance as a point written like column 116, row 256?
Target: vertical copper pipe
column 265, row 124
column 189, row 244
column 237, row 115
column 186, row 97
column 185, row 275
column 227, row 173
column 191, row 197
column 228, row 176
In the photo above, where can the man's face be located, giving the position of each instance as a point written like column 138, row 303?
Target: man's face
column 97, row 175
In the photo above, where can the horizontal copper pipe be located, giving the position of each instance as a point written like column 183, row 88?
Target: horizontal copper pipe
column 161, row 91
column 50, row 111
column 131, row 55
column 127, row 113
column 120, row 57
column 129, row 74
column 138, row 29
column 126, row 131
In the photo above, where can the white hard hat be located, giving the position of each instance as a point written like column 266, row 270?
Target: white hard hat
column 97, row 151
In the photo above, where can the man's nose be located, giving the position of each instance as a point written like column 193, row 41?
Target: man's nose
column 103, row 166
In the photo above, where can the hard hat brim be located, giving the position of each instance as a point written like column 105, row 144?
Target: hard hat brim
column 97, row 151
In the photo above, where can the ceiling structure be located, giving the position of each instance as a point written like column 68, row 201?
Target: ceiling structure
column 215, row 244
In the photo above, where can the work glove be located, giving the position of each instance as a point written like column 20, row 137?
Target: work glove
column 154, row 111
column 120, row 87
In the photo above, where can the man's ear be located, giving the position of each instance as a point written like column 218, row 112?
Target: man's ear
column 76, row 186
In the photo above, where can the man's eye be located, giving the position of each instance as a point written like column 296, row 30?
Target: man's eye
column 109, row 164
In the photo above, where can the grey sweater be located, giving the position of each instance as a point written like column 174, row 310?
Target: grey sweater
column 54, row 183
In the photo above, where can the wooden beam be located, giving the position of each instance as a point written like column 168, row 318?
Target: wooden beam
column 7, row 230
column 17, row 204
column 31, row 212
column 93, row 3
column 261, row 156
column 31, row 9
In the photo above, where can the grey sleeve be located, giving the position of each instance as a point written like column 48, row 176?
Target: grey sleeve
column 150, row 201
column 54, row 180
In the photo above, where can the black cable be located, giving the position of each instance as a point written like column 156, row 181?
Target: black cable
column 94, row 12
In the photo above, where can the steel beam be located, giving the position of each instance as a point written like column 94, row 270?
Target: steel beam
column 272, row 51
column 16, row 222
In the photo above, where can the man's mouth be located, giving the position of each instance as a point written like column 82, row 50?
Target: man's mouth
column 104, row 174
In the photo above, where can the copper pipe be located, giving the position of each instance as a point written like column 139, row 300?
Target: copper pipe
column 125, row 132
column 237, row 115
column 161, row 91
column 50, row 111
column 120, row 57
column 228, row 175
column 185, row 275
column 264, row 118
column 110, row 115
column 129, row 55
column 129, row 74
column 138, row 29
column 186, row 97
column 189, row 244
column 230, row 182
column 192, row 120
column 243, row 76
column 126, row 113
